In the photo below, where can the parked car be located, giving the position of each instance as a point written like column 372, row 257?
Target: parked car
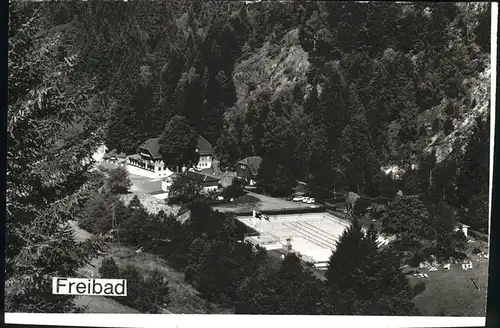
column 311, row 201
column 305, row 199
column 298, row 199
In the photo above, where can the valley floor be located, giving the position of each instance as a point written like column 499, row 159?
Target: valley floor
column 452, row 292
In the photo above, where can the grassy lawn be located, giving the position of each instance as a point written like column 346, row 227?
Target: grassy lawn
column 184, row 298
column 452, row 292
column 101, row 304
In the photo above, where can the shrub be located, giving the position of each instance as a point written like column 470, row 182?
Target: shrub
column 97, row 213
column 109, row 269
column 476, row 250
column 190, row 274
column 416, row 259
column 103, row 169
column 133, row 277
column 418, row 288
column 361, row 206
column 478, row 235
column 118, row 181
column 153, row 293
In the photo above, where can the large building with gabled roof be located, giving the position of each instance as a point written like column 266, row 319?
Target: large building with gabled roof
column 148, row 161
column 248, row 168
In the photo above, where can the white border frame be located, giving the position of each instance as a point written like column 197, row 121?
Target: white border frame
column 251, row 321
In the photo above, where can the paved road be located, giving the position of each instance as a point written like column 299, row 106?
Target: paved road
column 273, row 203
column 264, row 203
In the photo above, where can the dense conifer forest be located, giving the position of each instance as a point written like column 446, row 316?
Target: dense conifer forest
column 326, row 92
column 329, row 92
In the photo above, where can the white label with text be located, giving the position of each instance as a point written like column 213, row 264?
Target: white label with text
column 86, row 286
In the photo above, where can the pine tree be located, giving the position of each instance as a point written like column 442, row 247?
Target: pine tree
column 355, row 149
column 359, row 276
column 347, row 259
column 275, row 178
column 276, row 139
column 42, row 189
column 299, row 292
column 474, row 175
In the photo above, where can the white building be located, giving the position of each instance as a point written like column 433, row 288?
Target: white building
column 99, row 153
column 465, row 228
column 148, row 160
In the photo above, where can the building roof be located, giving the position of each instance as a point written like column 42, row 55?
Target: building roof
column 207, row 171
column 113, row 153
column 198, row 177
column 253, row 163
column 204, row 147
column 153, row 146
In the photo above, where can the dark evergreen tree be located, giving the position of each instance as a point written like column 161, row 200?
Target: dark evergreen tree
column 478, row 215
column 474, row 173
column 359, row 273
column 275, row 179
column 178, row 142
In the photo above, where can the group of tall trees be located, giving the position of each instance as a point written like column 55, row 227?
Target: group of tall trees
column 52, row 129
column 382, row 80
column 374, row 79
column 178, row 142
column 362, row 278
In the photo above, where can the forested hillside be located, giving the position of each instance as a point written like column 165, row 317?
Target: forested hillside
column 326, row 92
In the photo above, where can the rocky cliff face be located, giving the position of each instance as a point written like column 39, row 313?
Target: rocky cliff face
column 475, row 104
column 274, row 67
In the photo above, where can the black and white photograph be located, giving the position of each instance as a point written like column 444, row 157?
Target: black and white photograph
column 249, row 158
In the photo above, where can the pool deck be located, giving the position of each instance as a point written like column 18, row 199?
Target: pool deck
column 312, row 235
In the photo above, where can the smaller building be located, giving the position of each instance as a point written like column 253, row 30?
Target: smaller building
column 98, row 156
column 463, row 227
column 207, row 183
column 112, row 155
column 205, row 152
column 248, row 168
